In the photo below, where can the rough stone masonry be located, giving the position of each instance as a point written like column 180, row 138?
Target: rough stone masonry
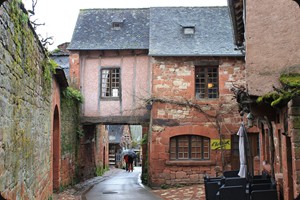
column 25, row 87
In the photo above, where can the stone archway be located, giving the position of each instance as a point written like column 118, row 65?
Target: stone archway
column 56, row 148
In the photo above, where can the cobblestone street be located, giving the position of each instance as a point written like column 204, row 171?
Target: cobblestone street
column 77, row 192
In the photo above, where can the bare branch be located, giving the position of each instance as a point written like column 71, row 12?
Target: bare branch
column 32, row 11
column 35, row 24
column 48, row 40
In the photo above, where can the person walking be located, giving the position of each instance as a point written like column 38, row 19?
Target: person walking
column 126, row 162
column 130, row 163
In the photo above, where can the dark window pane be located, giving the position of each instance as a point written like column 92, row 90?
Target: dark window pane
column 206, row 82
column 189, row 147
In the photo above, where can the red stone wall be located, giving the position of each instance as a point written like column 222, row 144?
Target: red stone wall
column 74, row 61
column 93, row 151
column 101, row 147
column 294, row 132
column 173, row 81
column 55, row 136
column 67, row 170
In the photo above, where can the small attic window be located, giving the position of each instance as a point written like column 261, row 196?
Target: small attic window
column 188, row 30
column 117, row 25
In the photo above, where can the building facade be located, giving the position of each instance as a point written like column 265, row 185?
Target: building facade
column 268, row 32
column 169, row 70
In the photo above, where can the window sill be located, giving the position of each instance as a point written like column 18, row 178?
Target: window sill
column 190, row 162
column 206, row 99
column 110, row 98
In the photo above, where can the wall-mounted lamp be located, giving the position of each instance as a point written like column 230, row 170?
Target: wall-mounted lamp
column 149, row 105
column 250, row 118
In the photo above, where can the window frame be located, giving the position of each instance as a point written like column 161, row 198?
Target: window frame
column 208, row 70
column 189, row 152
column 111, row 97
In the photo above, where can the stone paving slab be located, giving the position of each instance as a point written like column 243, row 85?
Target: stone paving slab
column 192, row 192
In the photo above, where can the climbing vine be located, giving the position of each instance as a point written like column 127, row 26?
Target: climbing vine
column 279, row 97
column 73, row 95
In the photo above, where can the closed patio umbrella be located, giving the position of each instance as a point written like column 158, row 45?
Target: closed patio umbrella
column 243, row 163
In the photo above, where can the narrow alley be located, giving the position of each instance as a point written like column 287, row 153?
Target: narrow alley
column 121, row 185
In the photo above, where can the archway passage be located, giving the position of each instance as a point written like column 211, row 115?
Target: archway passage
column 56, row 149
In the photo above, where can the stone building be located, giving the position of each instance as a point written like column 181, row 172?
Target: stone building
column 194, row 66
column 268, row 32
column 35, row 120
column 169, row 69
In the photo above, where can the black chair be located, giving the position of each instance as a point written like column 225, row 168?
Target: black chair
column 236, row 181
column 261, row 186
column 257, row 181
column 228, row 174
column 211, row 189
column 232, row 193
column 264, row 195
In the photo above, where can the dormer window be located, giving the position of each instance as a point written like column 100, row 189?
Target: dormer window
column 117, row 24
column 188, row 30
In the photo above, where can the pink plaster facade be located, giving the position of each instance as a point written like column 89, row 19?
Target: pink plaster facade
column 135, row 73
column 272, row 42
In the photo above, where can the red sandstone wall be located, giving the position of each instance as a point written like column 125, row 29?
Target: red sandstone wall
column 173, row 79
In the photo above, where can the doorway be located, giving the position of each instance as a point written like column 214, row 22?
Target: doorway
column 56, row 149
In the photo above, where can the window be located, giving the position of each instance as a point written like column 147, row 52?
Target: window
column 189, row 30
column 189, row 147
column 117, row 25
column 110, row 82
column 206, row 80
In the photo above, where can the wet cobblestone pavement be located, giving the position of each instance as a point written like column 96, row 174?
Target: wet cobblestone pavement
column 182, row 193
column 192, row 192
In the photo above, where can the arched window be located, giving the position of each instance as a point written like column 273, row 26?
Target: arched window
column 191, row 147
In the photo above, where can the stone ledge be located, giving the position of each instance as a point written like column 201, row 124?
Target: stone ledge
column 190, row 163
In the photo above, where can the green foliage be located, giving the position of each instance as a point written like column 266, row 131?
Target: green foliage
column 73, row 94
column 56, row 50
column 24, row 18
column 80, row 132
column 62, row 188
column 290, row 80
column 144, row 139
column 100, row 170
column 290, row 89
column 164, row 186
column 49, row 67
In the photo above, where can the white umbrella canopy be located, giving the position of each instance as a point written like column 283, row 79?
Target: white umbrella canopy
column 243, row 163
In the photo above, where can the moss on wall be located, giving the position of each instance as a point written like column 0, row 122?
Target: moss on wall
column 70, row 127
column 25, row 103
column 290, row 89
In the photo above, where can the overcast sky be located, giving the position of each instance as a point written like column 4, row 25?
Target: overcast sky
column 60, row 15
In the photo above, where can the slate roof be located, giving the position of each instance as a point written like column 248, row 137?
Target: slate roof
column 93, row 30
column 63, row 61
column 213, row 32
column 115, row 133
column 158, row 29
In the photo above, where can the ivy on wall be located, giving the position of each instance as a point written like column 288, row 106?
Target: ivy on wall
column 280, row 97
column 73, row 95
